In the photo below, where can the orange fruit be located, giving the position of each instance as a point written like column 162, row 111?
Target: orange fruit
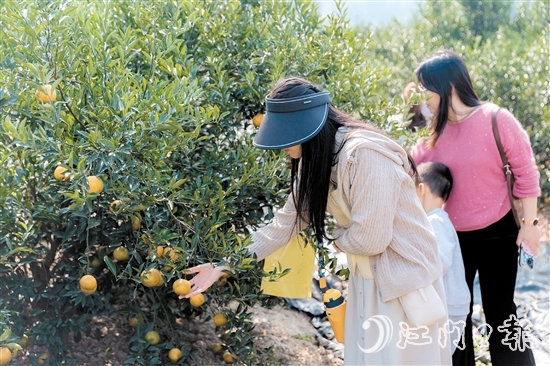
column 160, row 251
column 153, row 337
column 121, row 254
column 5, row 356
column 229, row 357
column 220, row 319
column 196, row 300
column 95, row 183
column 58, row 173
column 96, row 262
column 24, row 341
column 181, row 287
column 134, row 320
column 217, row 348
column 152, row 278
column 172, row 253
column 88, row 284
column 223, row 279
column 175, row 354
column 257, row 119
column 113, row 205
column 136, row 222
column 43, row 357
column 46, row 94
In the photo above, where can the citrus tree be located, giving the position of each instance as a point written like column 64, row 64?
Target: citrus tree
column 126, row 152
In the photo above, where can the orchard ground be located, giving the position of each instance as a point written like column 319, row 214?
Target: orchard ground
column 288, row 331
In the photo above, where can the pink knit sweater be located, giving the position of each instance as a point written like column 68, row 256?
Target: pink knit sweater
column 479, row 196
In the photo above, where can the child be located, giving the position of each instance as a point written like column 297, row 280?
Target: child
column 434, row 186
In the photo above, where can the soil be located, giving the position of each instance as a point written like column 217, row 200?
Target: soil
column 290, row 332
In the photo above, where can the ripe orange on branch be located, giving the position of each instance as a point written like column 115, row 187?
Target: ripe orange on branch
column 113, row 205
column 172, row 253
column 59, row 173
column 121, row 254
column 96, row 262
column 43, row 357
column 175, row 354
column 136, row 222
column 95, row 183
column 134, row 320
column 5, row 355
column 153, row 337
column 88, row 284
column 181, row 287
column 45, row 94
column 196, row 300
column 229, row 357
column 152, row 278
column 24, row 341
column 257, row 119
column 220, row 319
column 217, row 348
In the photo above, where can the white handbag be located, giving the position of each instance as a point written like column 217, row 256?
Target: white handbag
column 423, row 307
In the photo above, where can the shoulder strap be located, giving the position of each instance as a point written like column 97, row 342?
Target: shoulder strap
column 503, row 157
column 505, row 165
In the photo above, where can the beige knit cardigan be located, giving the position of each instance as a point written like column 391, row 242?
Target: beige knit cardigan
column 388, row 222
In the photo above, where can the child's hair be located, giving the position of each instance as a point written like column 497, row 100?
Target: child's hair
column 437, row 177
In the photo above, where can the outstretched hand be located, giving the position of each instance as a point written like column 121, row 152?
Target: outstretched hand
column 207, row 274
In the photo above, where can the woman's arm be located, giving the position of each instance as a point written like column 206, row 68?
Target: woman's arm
column 529, row 234
column 278, row 233
column 266, row 240
column 518, row 150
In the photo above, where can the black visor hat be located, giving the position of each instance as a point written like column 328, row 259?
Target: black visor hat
column 292, row 121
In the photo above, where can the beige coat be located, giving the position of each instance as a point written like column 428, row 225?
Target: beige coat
column 388, row 222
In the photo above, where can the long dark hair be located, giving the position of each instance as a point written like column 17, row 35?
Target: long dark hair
column 310, row 175
column 440, row 73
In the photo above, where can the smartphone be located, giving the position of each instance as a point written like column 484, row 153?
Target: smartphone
column 526, row 258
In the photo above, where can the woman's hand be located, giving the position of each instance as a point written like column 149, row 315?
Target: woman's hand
column 207, row 274
column 530, row 235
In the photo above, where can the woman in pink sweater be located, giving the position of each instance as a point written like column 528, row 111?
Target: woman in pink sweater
column 461, row 137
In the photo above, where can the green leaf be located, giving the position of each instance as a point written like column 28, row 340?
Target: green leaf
column 5, row 335
column 20, row 250
column 14, row 346
column 110, row 265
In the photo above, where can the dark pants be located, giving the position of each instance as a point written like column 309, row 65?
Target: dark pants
column 493, row 254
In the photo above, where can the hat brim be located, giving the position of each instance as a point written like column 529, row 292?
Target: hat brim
column 280, row 130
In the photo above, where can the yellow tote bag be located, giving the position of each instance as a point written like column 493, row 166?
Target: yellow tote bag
column 300, row 258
